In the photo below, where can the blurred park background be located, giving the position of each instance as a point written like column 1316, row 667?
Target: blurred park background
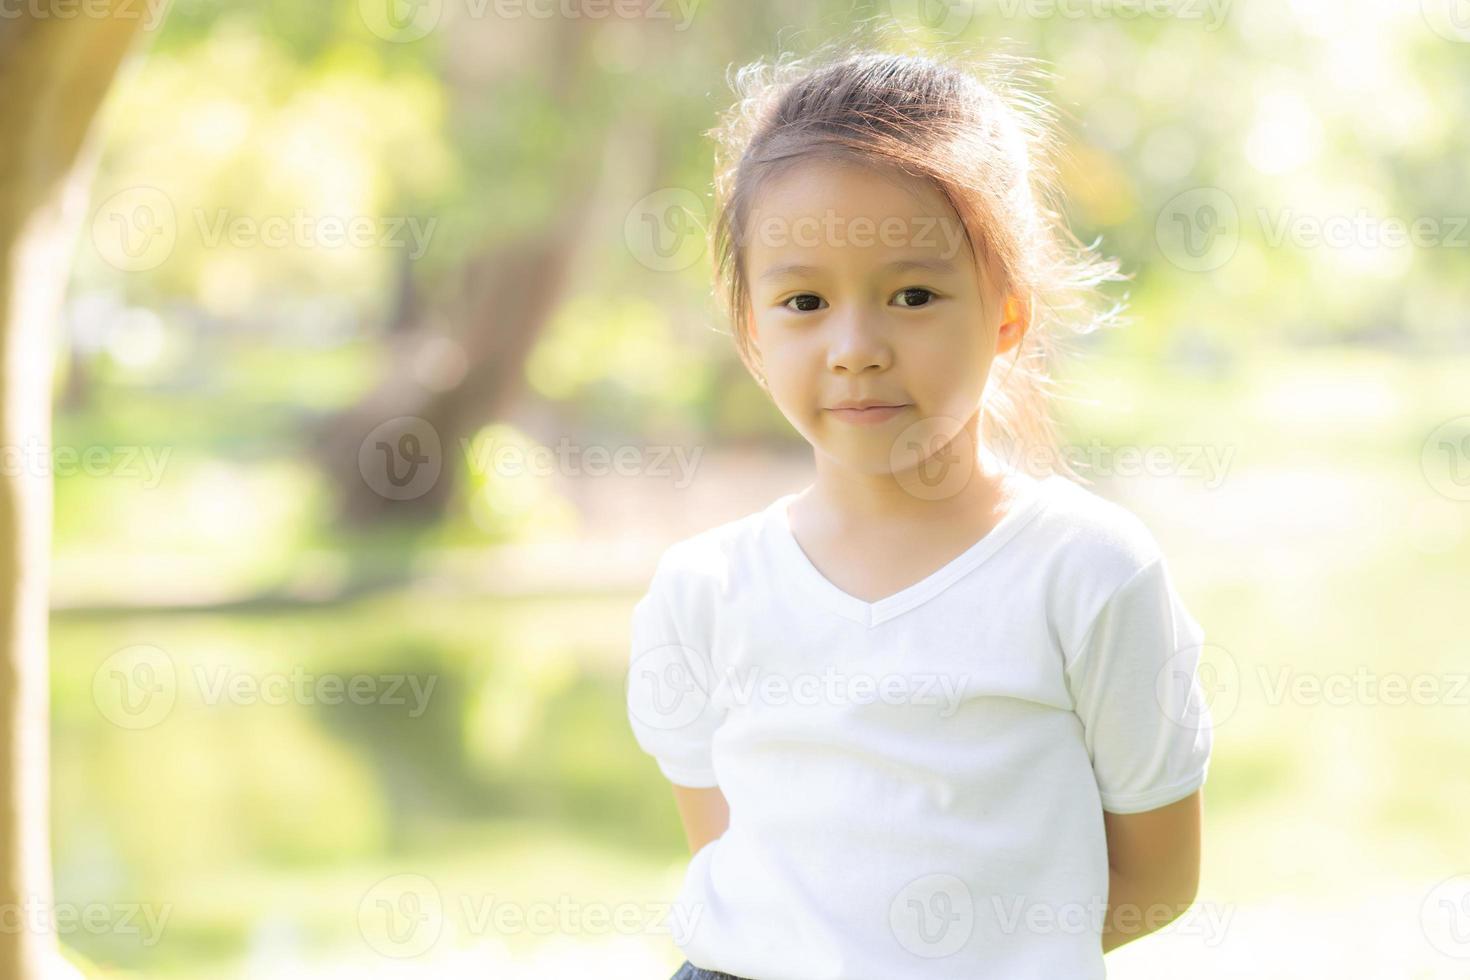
column 326, row 241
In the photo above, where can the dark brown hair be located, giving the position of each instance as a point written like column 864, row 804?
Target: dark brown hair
column 977, row 132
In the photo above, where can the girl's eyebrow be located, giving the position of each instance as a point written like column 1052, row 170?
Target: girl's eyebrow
column 938, row 266
column 790, row 269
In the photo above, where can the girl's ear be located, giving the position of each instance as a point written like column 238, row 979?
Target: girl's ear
column 1014, row 318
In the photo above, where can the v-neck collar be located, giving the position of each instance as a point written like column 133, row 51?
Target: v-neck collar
column 1024, row 507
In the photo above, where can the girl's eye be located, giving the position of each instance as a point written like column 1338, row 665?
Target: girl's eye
column 918, row 293
column 915, row 298
column 806, row 302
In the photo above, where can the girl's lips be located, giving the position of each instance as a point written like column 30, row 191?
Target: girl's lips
column 867, row 416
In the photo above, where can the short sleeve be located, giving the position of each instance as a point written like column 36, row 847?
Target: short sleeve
column 1135, row 684
column 670, row 705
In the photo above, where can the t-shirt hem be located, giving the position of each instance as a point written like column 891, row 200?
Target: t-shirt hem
column 693, row 778
column 1152, row 800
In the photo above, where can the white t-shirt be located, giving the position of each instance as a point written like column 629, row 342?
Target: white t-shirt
column 917, row 785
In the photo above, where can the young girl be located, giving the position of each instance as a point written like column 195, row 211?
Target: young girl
column 937, row 714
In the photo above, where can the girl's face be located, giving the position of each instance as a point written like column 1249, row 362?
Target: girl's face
column 863, row 287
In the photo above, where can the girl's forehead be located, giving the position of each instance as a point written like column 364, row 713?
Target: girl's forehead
column 824, row 212
column 847, row 189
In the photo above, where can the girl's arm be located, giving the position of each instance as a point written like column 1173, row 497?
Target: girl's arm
column 1154, row 860
column 704, row 812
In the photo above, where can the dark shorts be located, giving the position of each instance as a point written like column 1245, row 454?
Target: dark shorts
column 691, row 972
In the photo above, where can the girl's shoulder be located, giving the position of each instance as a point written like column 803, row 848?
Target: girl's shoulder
column 707, row 559
column 1082, row 533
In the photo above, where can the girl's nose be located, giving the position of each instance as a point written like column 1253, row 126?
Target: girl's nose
column 856, row 343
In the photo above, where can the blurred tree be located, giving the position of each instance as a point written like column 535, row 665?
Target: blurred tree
column 55, row 71
column 456, row 355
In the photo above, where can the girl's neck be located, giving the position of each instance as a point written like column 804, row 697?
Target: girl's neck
column 850, row 500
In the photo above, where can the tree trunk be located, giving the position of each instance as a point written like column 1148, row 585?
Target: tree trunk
column 55, row 72
column 485, row 330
